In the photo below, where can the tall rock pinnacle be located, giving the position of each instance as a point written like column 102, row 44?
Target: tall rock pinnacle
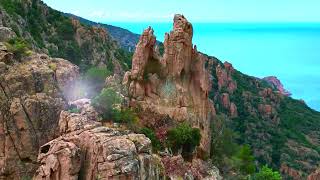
column 176, row 84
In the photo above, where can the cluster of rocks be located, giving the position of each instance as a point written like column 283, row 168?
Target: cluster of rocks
column 88, row 150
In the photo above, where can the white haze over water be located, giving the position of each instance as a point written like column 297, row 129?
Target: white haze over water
column 289, row 51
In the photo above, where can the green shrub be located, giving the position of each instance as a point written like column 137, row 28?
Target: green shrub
column 156, row 144
column 97, row 75
column 12, row 7
column 74, row 110
column 65, row 29
column 125, row 115
column 244, row 160
column 223, row 146
column 183, row 137
column 19, row 47
column 106, row 103
column 266, row 173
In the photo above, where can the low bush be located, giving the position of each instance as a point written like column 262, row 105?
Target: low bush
column 19, row 47
column 156, row 144
column 107, row 102
column 184, row 138
column 266, row 173
column 125, row 115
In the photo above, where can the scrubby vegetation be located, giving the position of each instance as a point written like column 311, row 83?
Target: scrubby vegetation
column 227, row 154
column 19, row 47
column 273, row 137
column 266, row 173
column 156, row 144
column 183, row 138
column 107, row 102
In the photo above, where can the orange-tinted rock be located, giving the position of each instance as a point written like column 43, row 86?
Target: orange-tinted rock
column 315, row 175
column 176, row 84
column 144, row 52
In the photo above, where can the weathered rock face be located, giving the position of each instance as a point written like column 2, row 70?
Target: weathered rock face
column 176, row 84
column 275, row 82
column 31, row 98
column 88, row 150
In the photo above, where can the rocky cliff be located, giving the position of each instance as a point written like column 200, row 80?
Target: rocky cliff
column 31, row 98
column 176, row 84
column 40, row 139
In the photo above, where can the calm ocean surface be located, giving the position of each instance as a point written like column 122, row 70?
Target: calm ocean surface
column 289, row 51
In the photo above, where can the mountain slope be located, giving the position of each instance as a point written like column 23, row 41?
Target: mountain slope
column 125, row 38
column 283, row 132
column 49, row 31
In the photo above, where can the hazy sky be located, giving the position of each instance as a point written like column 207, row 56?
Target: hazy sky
column 195, row 10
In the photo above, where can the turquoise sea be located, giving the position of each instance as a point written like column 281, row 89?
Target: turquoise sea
column 290, row 51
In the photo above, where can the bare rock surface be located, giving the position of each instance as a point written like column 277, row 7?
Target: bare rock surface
column 88, row 150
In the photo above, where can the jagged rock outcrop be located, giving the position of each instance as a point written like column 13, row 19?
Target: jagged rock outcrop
column 176, row 84
column 275, row 83
column 224, row 77
column 31, row 98
column 88, row 150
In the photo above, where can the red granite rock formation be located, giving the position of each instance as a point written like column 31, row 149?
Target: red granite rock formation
column 275, row 82
column 176, row 84
column 224, row 77
column 31, row 98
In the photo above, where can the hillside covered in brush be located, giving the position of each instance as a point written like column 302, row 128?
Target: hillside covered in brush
column 51, row 32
